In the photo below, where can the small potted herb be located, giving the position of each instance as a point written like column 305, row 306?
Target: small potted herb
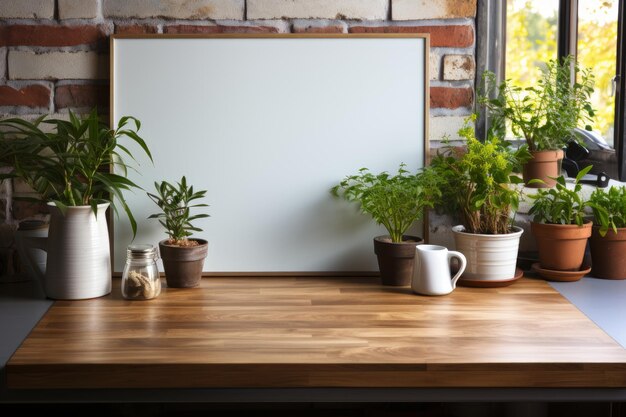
column 396, row 202
column 608, row 236
column 478, row 187
column 543, row 114
column 559, row 225
column 183, row 258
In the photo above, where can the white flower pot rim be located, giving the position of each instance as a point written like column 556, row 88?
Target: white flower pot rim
column 100, row 206
column 461, row 230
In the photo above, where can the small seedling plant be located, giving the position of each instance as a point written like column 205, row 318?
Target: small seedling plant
column 175, row 202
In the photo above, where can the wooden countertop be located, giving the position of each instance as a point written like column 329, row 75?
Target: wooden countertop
column 318, row 332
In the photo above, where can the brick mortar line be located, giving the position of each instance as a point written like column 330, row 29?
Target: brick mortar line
column 157, row 20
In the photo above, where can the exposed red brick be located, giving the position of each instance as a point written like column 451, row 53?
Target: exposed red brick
column 82, row 95
column 456, row 36
column 318, row 29
column 191, row 29
column 48, row 35
column 450, row 98
column 29, row 96
column 25, row 209
column 135, row 29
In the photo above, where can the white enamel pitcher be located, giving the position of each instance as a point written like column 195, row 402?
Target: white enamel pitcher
column 431, row 272
column 78, row 265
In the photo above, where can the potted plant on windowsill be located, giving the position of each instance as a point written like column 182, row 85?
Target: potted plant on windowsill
column 478, row 186
column 608, row 235
column 559, row 225
column 183, row 258
column 69, row 166
column 543, row 114
column 396, row 202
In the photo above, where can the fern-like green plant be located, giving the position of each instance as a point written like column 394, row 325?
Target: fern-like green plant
column 71, row 162
column 175, row 202
column 394, row 201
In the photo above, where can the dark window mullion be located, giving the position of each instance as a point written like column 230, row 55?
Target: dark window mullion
column 567, row 28
column 620, row 93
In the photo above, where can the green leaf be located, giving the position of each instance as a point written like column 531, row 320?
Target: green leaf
column 583, row 172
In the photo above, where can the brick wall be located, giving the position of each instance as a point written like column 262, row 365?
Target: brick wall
column 54, row 53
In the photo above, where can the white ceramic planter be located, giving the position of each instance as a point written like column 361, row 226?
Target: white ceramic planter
column 489, row 257
column 79, row 258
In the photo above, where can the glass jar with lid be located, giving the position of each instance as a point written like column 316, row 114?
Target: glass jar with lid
column 140, row 279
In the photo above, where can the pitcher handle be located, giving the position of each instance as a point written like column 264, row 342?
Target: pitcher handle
column 36, row 243
column 462, row 264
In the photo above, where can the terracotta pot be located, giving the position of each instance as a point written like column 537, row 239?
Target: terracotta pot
column 543, row 166
column 395, row 260
column 608, row 254
column 489, row 257
column 561, row 246
column 183, row 265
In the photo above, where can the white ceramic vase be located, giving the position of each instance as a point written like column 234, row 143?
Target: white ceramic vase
column 79, row 257
column 489, row 257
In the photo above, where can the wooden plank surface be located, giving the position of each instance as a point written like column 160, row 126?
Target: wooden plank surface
column 318, row 332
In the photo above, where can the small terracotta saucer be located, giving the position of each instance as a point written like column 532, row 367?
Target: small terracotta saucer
column 560, row 276
column 481, row 283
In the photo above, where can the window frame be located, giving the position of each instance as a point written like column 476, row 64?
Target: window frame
column 491, row 52
column 620, row 93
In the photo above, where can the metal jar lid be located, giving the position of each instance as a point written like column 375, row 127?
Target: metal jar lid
column 141, row 252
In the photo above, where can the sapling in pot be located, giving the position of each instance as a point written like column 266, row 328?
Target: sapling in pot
column 395, row 202
column 479, row 189
column 559, row 225
column 544, row 114
column 608, row 237
column 183, row 258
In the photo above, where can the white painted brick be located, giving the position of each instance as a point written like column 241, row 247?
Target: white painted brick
column 318, row 9
column 434, row 69
column 20, row 187
column 175, row 9
column 78, row 9
column 27, row 9
column 3, row 63
column 445, row 125
column 458, row 67
column 432, row 9
column 26, row 65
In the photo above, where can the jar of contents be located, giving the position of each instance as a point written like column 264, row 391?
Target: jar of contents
column 140, row 280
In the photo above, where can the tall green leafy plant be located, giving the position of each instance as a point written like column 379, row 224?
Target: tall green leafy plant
column 394, row 201
column 75, row 162
column 175, row 202
column 560, row 205
column 543, row 114
column 478, row 184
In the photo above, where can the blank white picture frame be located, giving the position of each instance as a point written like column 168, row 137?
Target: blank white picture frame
column 267, row 124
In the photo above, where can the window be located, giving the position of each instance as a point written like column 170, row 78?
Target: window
column 531, row 38
column 597, row 49
column 525, row 33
